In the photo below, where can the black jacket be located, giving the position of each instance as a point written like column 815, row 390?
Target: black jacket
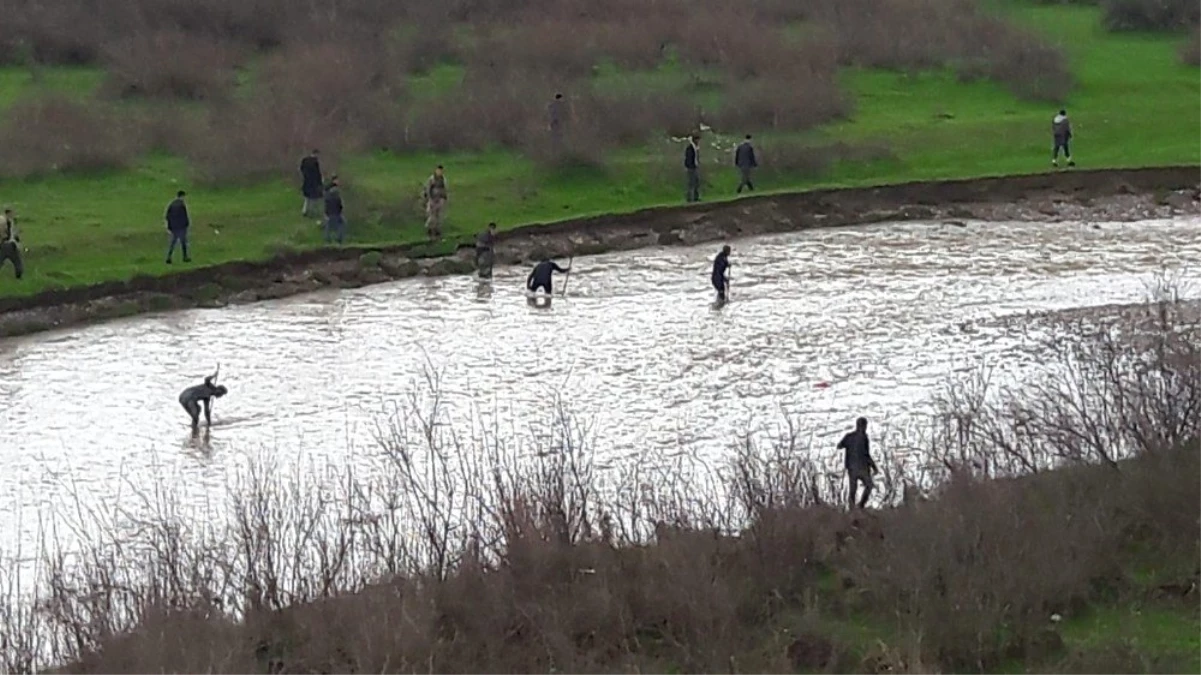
column 858, row 455
column 542, row 273
column 333, row 201
column 177, row 216
column 720, row 264
column 310, row 171
column 744, row 156
column 690, row 157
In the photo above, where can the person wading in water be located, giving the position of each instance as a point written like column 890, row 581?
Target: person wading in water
column 540, row 276
column 721, row 273
column 484, row 254
column 192, row 398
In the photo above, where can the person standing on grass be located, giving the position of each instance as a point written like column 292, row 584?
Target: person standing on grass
column 744, row 159
column 435, row 203
column 692, row 165
column 484, row 256
column 858, row 462
column 10, row 243
column 177, row 225
column 335, row 222
column 1061, row 133
column 311, row 184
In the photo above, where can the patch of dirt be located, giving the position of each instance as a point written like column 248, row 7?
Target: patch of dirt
column 1102, row 195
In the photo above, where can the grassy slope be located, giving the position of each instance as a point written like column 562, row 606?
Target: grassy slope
column 1135, row 105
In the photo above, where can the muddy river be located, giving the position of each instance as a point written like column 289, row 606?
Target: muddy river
column 883, row 315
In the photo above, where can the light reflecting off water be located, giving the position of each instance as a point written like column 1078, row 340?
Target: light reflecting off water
column 883, row 314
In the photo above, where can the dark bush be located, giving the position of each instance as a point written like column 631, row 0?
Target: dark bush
column 1122, row 15
column 1190, row 53
column 782, row 104
column 170, row 64
column 56, row 133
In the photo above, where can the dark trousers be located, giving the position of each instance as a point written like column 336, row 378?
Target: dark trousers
column 694, row 185
column 855, row 477
column 484, row 260
column 178, row 237
column 335, row 228
column 193, row 409
column 746, row 179
column 11, row 250
column 548, row 287
column 1061, row 143
column 720, row 284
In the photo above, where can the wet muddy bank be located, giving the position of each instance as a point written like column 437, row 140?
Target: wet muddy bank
column 1103, row 196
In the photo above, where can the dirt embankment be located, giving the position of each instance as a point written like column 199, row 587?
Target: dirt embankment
column 1102, row 195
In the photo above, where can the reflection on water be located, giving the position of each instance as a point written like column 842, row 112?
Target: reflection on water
column 881, row 314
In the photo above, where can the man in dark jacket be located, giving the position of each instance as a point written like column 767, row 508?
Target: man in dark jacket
column 177, row 225
column 335, row 222
column 721, row 273
column 692, row 165
column 484, row 255
column 540, row 276
column 858, row 461
column 744, row 159
column 10, row 243
column 202, row 394
column 310, row 186
column 1061, row 133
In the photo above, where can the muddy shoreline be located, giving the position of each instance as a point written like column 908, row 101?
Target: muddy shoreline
column 1102, row 195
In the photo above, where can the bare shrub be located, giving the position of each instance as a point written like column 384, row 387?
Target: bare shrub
column 633, row 44
column 913, row 35
column 630, row 117
column 480, row 113
column 55, row 32
column 793, row 104
column 56, row 133
column 170, row 64
column 1190, row 52
column 243, row 141
column 1124, row 15
column 551, row 46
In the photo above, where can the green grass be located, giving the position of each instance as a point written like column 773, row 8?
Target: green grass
column 1134, row 105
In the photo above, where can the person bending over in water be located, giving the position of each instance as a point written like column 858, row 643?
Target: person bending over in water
column 541, row 275
column 192, row 397
column 721, row 273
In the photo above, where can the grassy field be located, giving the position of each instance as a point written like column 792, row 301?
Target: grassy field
column 1133, row 104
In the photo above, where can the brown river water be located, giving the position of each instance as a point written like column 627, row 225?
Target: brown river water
column 884, row 315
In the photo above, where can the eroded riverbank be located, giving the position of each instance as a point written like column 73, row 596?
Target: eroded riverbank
column 1119, row 195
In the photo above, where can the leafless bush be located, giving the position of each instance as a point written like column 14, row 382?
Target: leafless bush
column 556, row 47
column 1123, row 15
column 170, row 64
column 56, row 133
column 782, row 105
column 1190, row 52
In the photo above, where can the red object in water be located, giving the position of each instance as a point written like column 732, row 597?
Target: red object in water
column 821, row 385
